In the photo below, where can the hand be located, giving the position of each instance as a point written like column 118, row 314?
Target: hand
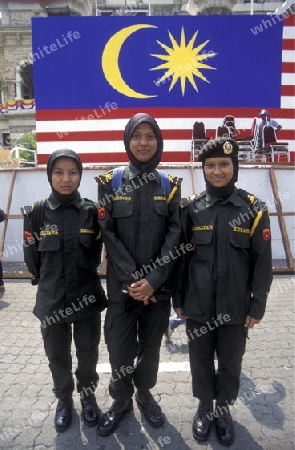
column 141, row 291
column 250, row 322
column 180, row 314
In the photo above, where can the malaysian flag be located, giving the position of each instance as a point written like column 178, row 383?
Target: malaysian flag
column 92, row 74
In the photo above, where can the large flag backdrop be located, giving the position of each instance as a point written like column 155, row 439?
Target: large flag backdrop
column 91, row 74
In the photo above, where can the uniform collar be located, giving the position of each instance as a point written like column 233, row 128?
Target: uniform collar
column 233, row 198
column 133, row 172
column 54, row 203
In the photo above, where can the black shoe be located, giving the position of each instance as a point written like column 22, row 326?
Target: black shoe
column 63, row 415
column 224, row 425
column 90, row 411
column 110, row 420
column 151, row 410
column 202, row 421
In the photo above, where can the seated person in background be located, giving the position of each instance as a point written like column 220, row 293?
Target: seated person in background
column 266, row 120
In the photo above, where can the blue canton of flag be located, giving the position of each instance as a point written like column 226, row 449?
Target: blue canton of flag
column 156, row 62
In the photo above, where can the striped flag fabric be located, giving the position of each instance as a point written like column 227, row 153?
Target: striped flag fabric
column 91, row 74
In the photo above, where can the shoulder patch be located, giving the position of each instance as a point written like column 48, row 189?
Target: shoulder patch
column 105, row 178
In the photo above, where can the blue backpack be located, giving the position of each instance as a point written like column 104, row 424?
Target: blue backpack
column 118, row 175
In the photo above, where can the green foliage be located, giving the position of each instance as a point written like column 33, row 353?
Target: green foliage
column 27, row 140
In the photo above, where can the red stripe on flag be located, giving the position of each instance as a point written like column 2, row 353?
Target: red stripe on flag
column 107, row 158
column 289, row 20
column 288, row 90
column 288, row 67
column 288, row 44
column 105, row 135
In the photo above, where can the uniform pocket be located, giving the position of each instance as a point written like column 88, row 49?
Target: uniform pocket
column 240, row 239
column 87, row 240
column 161, row 208
column 49, row 244
column 203, row 237
column 122, row 209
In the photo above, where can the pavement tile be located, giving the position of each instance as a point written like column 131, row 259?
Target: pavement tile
column 263, row 414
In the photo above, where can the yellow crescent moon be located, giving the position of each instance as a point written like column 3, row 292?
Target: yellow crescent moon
column 110, row 61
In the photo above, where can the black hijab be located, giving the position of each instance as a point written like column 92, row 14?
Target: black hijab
column 64, row 199
column 136, row 120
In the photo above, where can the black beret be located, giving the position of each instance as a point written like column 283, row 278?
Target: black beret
column 219, row 148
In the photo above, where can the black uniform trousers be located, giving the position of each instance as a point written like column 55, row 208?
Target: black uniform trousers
column 229, row 343
column 57, row 340
column 134, row 332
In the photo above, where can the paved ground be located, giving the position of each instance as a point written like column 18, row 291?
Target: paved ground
column 263, row 415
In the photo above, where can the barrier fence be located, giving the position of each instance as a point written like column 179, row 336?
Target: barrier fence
column 272, row 182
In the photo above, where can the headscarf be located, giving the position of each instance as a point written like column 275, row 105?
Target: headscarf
column 136, row 120
column 64, row 199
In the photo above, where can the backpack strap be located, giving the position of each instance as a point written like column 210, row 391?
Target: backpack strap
column 37, row 216
column 118, row 173
column 165, row 182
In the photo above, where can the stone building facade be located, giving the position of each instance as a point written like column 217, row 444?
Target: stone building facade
column 16, row 69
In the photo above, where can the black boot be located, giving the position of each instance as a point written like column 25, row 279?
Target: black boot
column 90, row 410
column 63, row 414
column 111, row 419
column 202, row 421
column 151, row 410
column 224, row 425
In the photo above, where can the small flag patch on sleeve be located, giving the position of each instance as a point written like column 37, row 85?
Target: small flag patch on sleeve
column 266, row 234
column 101, row 213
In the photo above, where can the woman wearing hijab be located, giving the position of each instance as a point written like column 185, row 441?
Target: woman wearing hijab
column 140, row 223
column 62, row 249
column 225, row 284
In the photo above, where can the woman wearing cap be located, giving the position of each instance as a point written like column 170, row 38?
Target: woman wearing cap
column 140, row 222
column 62, row 249
column 224, row 285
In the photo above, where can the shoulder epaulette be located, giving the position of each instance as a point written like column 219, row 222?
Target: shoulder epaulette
column 184, row 202
column 200, row 195
column 175, row 180
column 105, row 178
column 27, row 210
column 250, row 197
column 88, row 200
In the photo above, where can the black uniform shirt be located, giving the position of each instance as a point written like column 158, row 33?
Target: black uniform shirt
column 230, row 271
column 140, row 226
column 64, row 258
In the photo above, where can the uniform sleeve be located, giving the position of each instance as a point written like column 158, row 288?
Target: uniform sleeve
column 2, row 215
column 118, row 256
column 182, row 264
column 261, row 262
column 30, row 243
column 168, row 253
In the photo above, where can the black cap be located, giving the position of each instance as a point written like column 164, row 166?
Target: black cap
column 219, row 148
column 136, row 120
column 65, row 153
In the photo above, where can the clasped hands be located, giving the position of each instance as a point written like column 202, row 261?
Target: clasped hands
column 142, row 291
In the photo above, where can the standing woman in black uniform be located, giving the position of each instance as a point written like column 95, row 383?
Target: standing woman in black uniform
column 62, row 249
column 225, row 284
column 140, row 223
